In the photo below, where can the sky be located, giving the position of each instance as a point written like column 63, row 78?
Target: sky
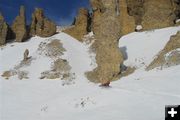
column 62, row 12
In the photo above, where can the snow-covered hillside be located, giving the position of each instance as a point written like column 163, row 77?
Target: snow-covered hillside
column 139, row 96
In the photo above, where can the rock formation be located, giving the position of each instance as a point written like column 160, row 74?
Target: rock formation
column 26, row 55
column 135, row 8
column 127, row 22
column 177, row 9
column 81, row 25
column 174, row 56
column 158, row 14
column 41, row 25
column 106, row 27
column 19, row 26
column 3, row 30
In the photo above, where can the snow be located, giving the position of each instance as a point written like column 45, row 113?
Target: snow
column 139, row 27
column 172, row 51
column 142, row 47
column 177, row 21
column 139, row 96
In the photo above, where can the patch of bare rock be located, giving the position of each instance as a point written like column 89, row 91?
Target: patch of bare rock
column 60, row 68
column 52, row 49
column 169, row 56
column 17, row 70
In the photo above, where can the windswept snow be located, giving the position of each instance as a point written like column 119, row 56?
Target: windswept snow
column 139, row 96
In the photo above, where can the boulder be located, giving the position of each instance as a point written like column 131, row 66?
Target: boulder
column 158, row 14
column 19, row 26
column 106, row 27
column 41, row 25
column 81, row 25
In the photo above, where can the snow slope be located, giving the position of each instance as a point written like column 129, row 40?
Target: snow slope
column 139, row 96
column 142, row 47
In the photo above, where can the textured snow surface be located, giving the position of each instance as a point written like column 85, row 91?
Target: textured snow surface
column 139, row 96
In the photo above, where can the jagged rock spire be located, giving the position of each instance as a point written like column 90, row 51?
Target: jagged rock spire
column 19, row 26
column 3, row 30
column 81, row 25
column 40, row 25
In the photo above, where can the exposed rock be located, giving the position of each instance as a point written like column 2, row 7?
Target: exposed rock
column 20, row 74
column 136, row 9
column 3, row 30
column 19, row 26
column 81, row 25
column 98, row 9
column 127, row 22
column 41, row 25
column 26, row 53
column 53, row 49
column 60, row 69
column 169, row 55
column 158, row 14
column 106, row 27
column 177, row 8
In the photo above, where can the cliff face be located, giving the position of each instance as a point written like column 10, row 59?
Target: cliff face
column 81, row 25
column 151, row 14
column 127, row 22
column 158, row 14
column 154, row 14
column 136, row 9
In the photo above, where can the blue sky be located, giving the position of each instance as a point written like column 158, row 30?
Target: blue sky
column 60, row 11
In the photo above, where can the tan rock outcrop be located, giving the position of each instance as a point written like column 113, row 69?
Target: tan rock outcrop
column 106, row 27
column 172, row 45
column 136, row 9
column 127, row 22
column 41, row 25
column 176, row 6
column 80, row 27
column 3, row 30
column 19, row 26
column 158, row 14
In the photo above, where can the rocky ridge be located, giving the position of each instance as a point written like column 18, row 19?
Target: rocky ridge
column 169, row 56
column 20, row 31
